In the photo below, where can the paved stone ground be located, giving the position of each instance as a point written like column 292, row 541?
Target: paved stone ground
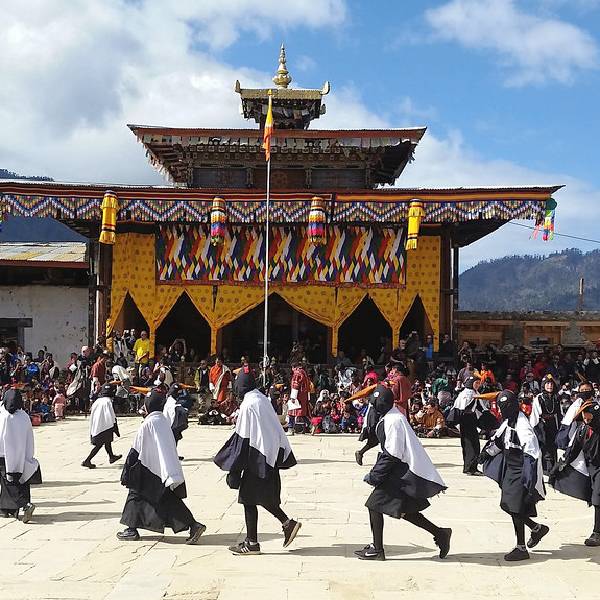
column 69, row 550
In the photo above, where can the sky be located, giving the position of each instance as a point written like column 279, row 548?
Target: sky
column 509, row 89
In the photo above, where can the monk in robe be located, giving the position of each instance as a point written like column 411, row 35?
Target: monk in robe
column 219, row 380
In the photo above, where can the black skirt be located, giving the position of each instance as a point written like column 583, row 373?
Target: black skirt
column 396, row 505
column 595, row 482
column 515, row 499
column 170, row 511
column 104, row 437
column 256, row 491
column 13, row 495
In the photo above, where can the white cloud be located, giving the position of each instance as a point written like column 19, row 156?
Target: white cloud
column 532, row 49
column 75, row 72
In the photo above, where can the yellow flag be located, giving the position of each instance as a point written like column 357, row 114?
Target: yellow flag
column 268, row 130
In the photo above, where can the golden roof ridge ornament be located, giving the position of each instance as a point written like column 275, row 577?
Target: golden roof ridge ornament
column 282, row 78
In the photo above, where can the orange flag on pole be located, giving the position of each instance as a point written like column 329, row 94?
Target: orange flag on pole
column 268, row 130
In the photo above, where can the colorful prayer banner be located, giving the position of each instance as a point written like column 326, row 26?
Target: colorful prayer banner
column 356, row 255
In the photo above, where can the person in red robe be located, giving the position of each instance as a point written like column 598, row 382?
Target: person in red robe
column 219, row 379
column 298, row 406
column 399, row 383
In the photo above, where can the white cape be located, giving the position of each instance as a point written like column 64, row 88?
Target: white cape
column 102, row 416
column 16, row 444
column 155, row 445
column 169, row 410
column 402, row 443
column 528, row 444
column 258, row 423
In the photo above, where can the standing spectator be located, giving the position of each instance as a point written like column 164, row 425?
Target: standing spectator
column 298, row 406
column 219, row 380
column 141, row 351
column 59, row 402
column 201, row 381
column 466, row 372
column 447, row 348
column 119, row 347
column 98, row 372
column 32, row 370
column 592, row 367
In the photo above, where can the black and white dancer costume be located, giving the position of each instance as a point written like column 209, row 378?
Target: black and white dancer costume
column 569, row 425
column 403, row 477
column 253, row 457
column 512, row 458
column 368, row 433
column 577, row 474
column 155, row 480
column 18, row 468
column 103, row 426
column 176, row 414
column 545, row 418
column 465, row 413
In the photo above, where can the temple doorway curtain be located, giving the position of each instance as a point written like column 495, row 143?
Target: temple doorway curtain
column 130, row 317
column 365, row 329
column 416, row 320
column 184, row 321
column 244, row 336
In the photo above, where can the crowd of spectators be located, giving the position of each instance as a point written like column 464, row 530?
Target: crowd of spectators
column 52, row 391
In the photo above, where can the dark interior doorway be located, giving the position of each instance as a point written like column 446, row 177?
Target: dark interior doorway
column 130, row 317
column 416, row 320
column 185, row 322
column 244, row 337
column 365, row 329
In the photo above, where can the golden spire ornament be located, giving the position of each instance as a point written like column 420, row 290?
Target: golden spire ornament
column 282, row 78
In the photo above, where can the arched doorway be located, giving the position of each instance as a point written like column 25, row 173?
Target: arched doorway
column 416, row 320
column 185, row 322
column 244, row 337
column 365, row 329
column 130, row 317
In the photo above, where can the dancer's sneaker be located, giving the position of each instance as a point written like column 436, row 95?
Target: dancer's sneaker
column 245, row 548
column 516, row 554
column 128, row 535
column 28, row 512
column 115, row 458
column 442, row 541
column 88, row 464
column 290, row 530
column 358, row 457
column 537, row 535
column 593, row 540
column 196, row 530
column 370, row 553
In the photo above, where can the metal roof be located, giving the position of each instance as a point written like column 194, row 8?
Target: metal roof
column 49, row 254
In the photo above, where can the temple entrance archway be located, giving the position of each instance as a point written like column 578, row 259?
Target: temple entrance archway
column 365, row 329
column 416, row 320
column 130, row 317
column 244, row 336
column 185, row 322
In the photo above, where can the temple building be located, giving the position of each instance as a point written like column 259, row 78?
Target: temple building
column 354, row 287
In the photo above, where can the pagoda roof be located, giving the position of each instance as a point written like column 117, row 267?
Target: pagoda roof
column 168, row 147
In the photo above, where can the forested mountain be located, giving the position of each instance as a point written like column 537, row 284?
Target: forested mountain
column 523, row 283
column 6, row 174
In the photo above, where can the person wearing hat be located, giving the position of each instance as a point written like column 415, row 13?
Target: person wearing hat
column 577, row 474
column 154, row 478
column 512, row 458
column 253, row 457
column 403, row 478
column 546, row 415
column 103, row 425
column 18, row 467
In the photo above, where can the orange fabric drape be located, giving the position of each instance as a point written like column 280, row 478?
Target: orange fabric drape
column 235, row 300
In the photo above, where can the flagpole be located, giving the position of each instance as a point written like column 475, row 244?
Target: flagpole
column 267, row 228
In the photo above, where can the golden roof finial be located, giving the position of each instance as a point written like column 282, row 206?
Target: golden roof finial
column 282, row 78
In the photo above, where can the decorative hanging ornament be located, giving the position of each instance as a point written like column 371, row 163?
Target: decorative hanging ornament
column 109, row 207
column 416, row 212
column 546, row 221
column 317, row 219
column 218, row 221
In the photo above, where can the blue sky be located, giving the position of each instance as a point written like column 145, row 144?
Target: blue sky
column 508, row 88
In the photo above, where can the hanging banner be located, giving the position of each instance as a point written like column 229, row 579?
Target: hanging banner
column 352, row 255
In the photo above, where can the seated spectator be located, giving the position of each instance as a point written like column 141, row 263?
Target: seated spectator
column 349, row 422
column 511, row 384
column 415, row 413
column 212, row 416
column 431, row 421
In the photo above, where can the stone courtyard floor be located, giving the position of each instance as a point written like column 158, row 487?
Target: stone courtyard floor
column 69, row 549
